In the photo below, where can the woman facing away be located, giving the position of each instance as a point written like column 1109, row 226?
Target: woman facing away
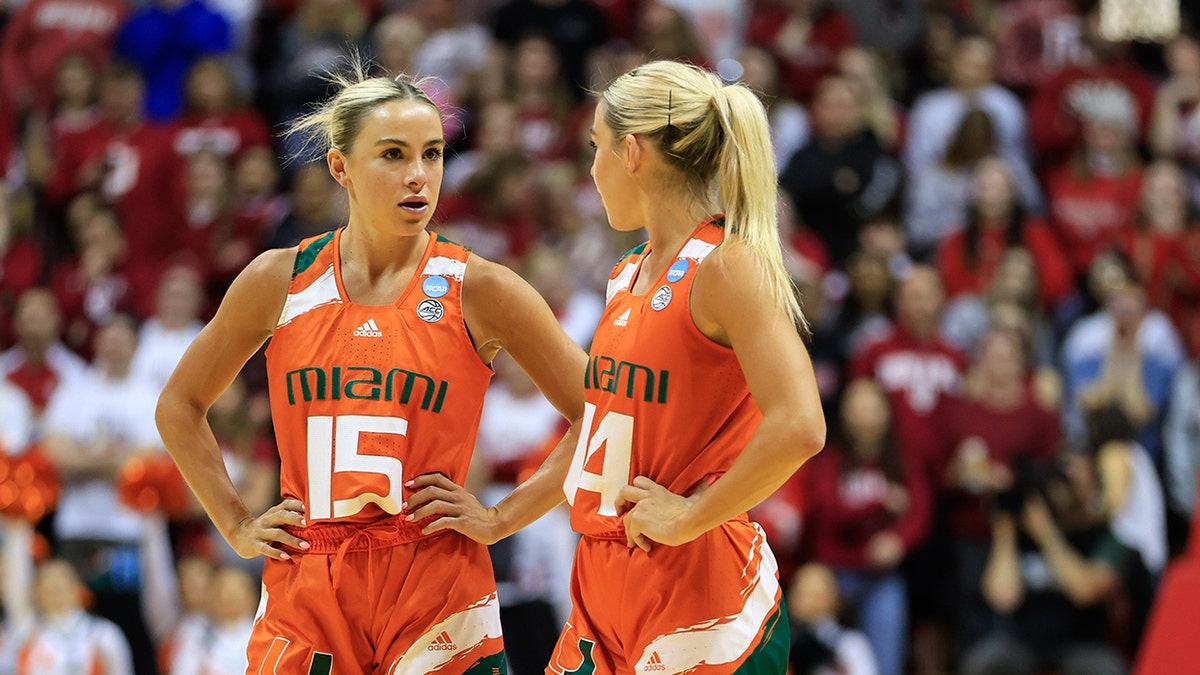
column 700, row 399
column 381, row 335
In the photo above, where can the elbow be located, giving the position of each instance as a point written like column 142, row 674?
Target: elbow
column 806, row 436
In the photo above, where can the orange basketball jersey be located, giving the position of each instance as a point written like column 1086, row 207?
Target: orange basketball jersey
column 661, row 399
column 365, row 398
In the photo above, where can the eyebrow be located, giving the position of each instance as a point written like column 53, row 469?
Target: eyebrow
column 591, row 131
column 404, row 144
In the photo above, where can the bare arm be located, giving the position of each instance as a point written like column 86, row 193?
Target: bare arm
column 1115, row 476
column 1001, row 584
column 779, row 373
column 502, row 311
column 244, row 321
column 1084, row 582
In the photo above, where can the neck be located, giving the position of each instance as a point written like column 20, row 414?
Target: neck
column 669, row 222
column 377, row 253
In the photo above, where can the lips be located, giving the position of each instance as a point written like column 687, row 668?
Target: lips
column 415, row 204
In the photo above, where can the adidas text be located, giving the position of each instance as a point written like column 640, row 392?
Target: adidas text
column 368, row 329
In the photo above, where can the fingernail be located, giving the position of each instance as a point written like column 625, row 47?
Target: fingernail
column 303, row 523
column 403, row 505
column 284, row 556
column 408, row 517
column 409, row 483
column 304, row 545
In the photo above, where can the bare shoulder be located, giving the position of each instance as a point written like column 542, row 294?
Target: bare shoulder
column 725, row 280
column 485, row 280
column 257, row 295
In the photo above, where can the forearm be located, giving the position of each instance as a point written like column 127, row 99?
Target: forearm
column 1001, row 584
column 1073, row 572
column 190, row 440
column 541, row 492
column 79, row 460
column 776, row 450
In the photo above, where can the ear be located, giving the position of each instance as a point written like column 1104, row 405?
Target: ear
column 634, row 151
column 337, row 167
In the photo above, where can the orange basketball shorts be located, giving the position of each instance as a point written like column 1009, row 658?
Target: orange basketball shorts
column 712, row 606
column 379, row 600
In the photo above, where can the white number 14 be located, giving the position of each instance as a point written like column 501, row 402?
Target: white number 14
column 615, row 434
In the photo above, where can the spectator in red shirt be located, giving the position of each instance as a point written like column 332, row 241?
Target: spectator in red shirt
column 205, row 221
column 968, row 258
column 42, row 33
column 915, row 367
column 805, row 36
column 1059, row 107
column 127, row 160
column 102, row 280
column 20, row 261
column 987, row 437
column 1093, row 197
column 869, row 506
column 72, row 110
column 1155, row 246
column 213, row 118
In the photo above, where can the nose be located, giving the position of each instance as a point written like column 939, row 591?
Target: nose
column 416, row 177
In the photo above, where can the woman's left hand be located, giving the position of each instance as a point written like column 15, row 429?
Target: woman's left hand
column 654, row 514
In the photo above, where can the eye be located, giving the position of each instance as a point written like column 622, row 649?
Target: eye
column 433, row 154
column 391, row 153
column 592, row 145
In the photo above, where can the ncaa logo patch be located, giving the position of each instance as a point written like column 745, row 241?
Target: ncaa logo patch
column 430, row 310
column 676, row 271
column 662, row 298
column 435, row 286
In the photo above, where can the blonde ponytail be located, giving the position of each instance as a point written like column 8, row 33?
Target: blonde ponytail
column 717, row 136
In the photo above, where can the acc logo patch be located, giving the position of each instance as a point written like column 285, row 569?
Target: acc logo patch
column 662, row 298
column 430, row 310
column 435, row 286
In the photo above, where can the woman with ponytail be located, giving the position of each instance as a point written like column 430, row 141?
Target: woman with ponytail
column 700, row 399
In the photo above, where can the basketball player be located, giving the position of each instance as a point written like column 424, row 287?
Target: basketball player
column 381, row 335
column 697, row 377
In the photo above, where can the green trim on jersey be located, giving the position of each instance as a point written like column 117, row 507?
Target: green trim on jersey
column 489, row 665
column 306, row 257
column 770, row 657
column 636, row 250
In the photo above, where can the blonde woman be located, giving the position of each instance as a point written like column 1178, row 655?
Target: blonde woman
column 698, row 378
column 381, row 338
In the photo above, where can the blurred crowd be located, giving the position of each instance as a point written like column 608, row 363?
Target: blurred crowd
column 992, row 213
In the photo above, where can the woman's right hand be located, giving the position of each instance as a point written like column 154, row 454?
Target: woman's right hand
column 259, row 536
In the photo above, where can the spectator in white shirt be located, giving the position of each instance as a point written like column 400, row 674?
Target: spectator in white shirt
column 66, row 640
column 165, row 336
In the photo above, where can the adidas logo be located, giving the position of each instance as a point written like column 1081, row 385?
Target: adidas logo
column 655, row 664
column 368, row 329
column 622, row 320
column 442, row 643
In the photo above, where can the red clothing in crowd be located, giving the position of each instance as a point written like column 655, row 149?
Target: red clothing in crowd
column 226, row 134
column 916, row 377
column 801, row 69
column 781, row 517
column 1037, row 40
column 848, row 505
column 20, row 268
column 1091, row 213
column 129, row 288
column 1027, row 431
column 1054, row 126
column 1056, row 278
column 42, row 32
column 1169, row 268
column 140, row 181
